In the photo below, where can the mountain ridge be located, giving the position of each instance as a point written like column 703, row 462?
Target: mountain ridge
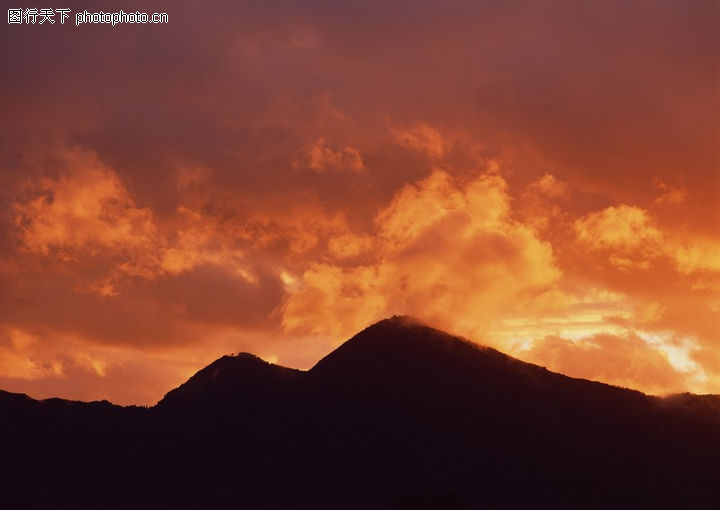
column 394, row 322
column 401, row 416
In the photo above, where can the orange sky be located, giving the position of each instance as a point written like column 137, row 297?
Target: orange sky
column 543, row 178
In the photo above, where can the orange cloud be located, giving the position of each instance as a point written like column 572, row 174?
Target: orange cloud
column 630, row 239
column 621, row 227
column 445, row 251
column 699, row 255
column 538, row 204
column 424, row 139
column 349, row 245
column 322, row 158
column 626, row 360
column 87, row 213
column 625, row 232
column 28, row 356
column 66, row 365
column 85, row 210
column 669, row 194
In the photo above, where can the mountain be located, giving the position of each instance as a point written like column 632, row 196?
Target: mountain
column 401, row 416
column 231, row 380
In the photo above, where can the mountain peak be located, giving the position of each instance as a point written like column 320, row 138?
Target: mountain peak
column 231, row 377
column 400, row 332
column 405, row 351
column 401, row 412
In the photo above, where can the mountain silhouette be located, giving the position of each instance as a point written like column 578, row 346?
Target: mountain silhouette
column 401, row 416
column 231, row 380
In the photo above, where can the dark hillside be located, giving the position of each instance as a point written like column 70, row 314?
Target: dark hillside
column 400, row 416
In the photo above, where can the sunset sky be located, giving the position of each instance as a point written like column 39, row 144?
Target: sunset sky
column 271, row 177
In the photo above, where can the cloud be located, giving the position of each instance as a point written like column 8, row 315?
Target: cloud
column 24, row 355
column 621, row 227
column 445, row 251
column 322, row 158
column 548, row 185
column 87, row 215
column 625, row 232
column 423, row 138
column 700, row 255
column 541, row 203
column 67, row 365
column 86, row 209
column 670, row 195
column 627, row 360
column 349, row 245
column 630, row 239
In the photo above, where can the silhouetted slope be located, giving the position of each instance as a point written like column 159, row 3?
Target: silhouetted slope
column 702, row 407
column 412, row 364
column 400, row 416
column 231, row 379
column 446, row 408
column 58, row 453
column 410, row 353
